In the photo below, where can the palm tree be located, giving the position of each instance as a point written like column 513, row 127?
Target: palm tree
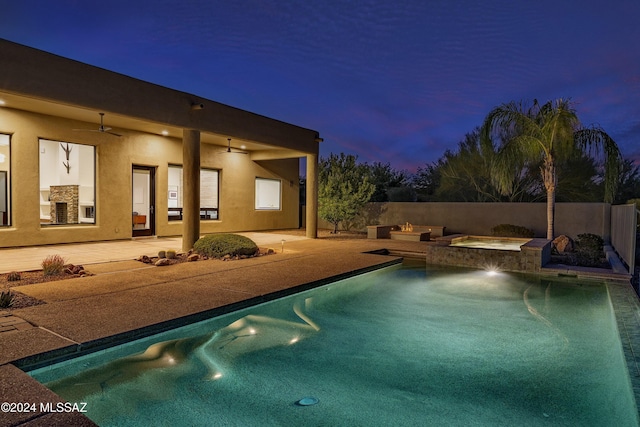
column 548, row 134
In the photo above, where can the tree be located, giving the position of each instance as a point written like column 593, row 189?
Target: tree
column 629, row 187
column 344, row 187
column 467, row 175
column 385, row 178
column 579, row 180
column 549, row 133
column 426, row 181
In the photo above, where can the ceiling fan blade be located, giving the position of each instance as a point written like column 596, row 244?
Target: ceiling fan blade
column 232, row 150
column 102, row 128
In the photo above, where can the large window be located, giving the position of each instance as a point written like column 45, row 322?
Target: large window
column 268, row 194
column 67, row 183
column 5, row 177
column 208, row 193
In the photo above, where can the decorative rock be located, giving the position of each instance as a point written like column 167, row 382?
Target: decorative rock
column 563, row 244
column 144, row 258
column 193, row 257
column 162, row 262
column 226, row 257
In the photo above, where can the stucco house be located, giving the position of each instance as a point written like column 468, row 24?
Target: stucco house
column 87, row 154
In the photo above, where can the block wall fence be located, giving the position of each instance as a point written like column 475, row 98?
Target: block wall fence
column 571, row 219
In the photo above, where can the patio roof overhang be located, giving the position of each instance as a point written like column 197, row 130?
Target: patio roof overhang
column 40, row 82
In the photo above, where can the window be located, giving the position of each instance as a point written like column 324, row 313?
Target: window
column 268, row 194
column 67, row 183
column 5, row 177
column 208, row 193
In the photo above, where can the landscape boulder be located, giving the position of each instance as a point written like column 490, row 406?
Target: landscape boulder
column 162, row 262
column 145, row 259
column 563, row 244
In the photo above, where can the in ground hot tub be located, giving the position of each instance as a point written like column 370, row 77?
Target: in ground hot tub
column 488, row 242
column 504, row 253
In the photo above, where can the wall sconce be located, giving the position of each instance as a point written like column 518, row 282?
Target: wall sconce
column 196, row 106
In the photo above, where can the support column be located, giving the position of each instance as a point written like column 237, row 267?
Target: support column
column 191, row 188
column 312, row 196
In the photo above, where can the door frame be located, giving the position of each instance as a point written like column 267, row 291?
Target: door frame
column 151, row 231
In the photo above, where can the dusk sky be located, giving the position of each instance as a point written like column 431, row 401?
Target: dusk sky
column 389, row 81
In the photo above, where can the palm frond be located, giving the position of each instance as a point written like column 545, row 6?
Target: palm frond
column 602, row 147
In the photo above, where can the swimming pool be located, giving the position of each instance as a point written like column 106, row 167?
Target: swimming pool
column 401, row 346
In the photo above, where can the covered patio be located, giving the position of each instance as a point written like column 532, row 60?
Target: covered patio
column 132, row 137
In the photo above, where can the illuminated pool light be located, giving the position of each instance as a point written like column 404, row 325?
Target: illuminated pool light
column 492, row 270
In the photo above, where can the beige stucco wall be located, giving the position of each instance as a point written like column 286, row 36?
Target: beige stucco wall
column 114, row 160
column 478, row 218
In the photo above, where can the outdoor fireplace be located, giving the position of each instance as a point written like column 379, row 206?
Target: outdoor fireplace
column 64, row 204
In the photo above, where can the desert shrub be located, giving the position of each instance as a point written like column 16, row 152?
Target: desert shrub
column 6, row 299
column 14, row 276
column 589, row 250
column 219, row 245
column 510, row 230
column 53, row 265
column 171, row 254
column 162, row 254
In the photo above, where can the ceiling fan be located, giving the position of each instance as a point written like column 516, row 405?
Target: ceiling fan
column 232, row 150
column 101, row 129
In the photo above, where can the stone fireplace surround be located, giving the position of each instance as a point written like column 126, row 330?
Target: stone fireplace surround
column 68, row 194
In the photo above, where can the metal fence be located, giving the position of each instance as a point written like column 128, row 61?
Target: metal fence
column 623, row 233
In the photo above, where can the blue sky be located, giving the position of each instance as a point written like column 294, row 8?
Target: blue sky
column 389, row 81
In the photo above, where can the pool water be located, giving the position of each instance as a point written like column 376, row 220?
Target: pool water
column 408, row 346
column 490, row 243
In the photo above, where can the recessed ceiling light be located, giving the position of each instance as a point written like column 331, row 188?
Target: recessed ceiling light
column 165, row 132
column 242, row 147
column 2, row 102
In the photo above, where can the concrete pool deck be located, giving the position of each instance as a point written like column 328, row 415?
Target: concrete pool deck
column 127, row 299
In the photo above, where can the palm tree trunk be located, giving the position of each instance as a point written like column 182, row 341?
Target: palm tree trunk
column 550, row 180
column 551, row 208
